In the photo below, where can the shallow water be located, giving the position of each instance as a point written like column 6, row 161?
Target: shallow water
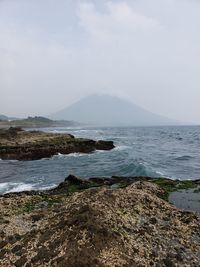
column 140, row 151
column 186, row 199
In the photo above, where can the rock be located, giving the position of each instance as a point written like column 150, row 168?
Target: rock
column 16, row 249
column 36, row 217
column 20, row 262
column 169, row 263
column 153, row 220
column 3, row 243
column 102, row 145
column 103, row 227
column 18, row 144
column 74, row 180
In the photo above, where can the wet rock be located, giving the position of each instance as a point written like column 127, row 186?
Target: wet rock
column 74, row 180
column 102, row 145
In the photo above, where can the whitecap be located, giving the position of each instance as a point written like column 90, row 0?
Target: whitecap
column 47, row 187
column 75, row 154
column 3, row 187
column 11, row 187
column 20, row 187
column 121, row 147
column 11, row 160
column 100, row 151
column 162, row 174
column 14, row 187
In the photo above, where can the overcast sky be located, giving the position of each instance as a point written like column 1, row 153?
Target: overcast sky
column 54, row 52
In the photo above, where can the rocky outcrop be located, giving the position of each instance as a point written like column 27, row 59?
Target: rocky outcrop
column 116, row 224
column 18, row 144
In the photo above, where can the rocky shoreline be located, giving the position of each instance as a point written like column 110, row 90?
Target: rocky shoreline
column 105, row 222
column 95, row 222
column 17, row 144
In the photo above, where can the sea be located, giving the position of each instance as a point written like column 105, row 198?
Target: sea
column 170, row 151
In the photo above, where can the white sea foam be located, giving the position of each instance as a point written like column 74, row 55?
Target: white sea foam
column 14, row 187
column 19, row 187
column 44, row 159
column 100, row 151
column 11, row 160
column 76, row 154
column 120, row 148
column 3, row 187
column 161, row 173
column 47, row 187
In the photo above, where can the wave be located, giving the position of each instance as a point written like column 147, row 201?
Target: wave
column 14, row 187
column 8, row 160
column 47, row 187
column 121, row 148
column 179, row 138
column 138, row 169
column 88, row 130
column 11, row 187
column 99, row 151
column 185, row 157
column 78, row 154
column 162, row 174
column 75, row 154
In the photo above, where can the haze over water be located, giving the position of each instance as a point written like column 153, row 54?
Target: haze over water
column 140, row 151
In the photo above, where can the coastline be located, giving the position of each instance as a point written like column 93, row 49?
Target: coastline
column 96, row 221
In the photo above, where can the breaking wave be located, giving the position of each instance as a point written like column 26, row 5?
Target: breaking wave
column 11, row 187
column 138, row 169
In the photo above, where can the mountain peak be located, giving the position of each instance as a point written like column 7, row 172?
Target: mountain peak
column 107, row 110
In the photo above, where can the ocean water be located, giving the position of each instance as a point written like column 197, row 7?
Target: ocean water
column 172, row 152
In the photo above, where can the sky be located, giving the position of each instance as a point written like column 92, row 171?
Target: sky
column 54, row 52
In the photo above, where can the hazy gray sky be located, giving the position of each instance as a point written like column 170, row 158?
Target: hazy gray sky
column 53, row 52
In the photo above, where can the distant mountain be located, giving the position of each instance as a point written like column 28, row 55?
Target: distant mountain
column 107, row 110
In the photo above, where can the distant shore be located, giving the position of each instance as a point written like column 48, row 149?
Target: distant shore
column 37, row 122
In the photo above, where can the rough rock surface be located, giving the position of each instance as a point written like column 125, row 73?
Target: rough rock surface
column 105, row 227
column 18, row 144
